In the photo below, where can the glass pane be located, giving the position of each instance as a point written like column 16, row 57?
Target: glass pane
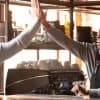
column 24, row 55
column 20, row 16
column 2, row 23
column 48, row 54
column 63, row 56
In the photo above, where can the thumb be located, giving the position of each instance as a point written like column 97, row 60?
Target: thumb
column 30, row 12
column 45, row 13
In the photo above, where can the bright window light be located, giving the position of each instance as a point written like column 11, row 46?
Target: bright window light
column 24, row 55
column 63, row 56
column 48, row 54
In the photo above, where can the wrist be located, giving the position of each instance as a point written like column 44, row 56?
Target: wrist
column 94, row 93
column 44, row 23
column 87, row 92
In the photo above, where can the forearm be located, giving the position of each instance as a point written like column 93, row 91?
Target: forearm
column 67, row 43
column 12, row 47
column 94, row 93
column 26, row 36
column 57, row 35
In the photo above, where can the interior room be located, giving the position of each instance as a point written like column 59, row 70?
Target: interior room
column 45, row 70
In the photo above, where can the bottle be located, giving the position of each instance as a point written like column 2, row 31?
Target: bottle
column 67, row 27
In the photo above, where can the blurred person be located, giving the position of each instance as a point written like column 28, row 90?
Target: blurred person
column 88, row 53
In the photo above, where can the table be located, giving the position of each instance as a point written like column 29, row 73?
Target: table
column 44, row 97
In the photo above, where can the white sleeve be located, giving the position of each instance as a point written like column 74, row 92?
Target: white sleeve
column 12, row 47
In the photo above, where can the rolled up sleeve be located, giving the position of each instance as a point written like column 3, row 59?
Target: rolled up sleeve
column 94, row 93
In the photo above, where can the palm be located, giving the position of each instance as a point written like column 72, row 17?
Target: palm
column 36, row 9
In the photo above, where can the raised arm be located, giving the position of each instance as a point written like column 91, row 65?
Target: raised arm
column 12, row 47
column 58, row 36
column 83, row 50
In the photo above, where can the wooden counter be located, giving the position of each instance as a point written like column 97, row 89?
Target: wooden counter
column 45, row 97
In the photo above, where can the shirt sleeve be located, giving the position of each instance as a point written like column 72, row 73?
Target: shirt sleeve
column 94, row 93
column 84, row 51
column 12, row 47
column 77, row 48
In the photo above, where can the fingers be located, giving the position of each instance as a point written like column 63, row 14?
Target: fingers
column 35, row 4
column 45, row 13
column 36, row 8
column 75, row 89
column 38, row 12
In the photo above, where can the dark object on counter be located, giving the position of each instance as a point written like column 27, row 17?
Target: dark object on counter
column 33, row 81
column 24, row 81
column 84, row 34
column 94, row 36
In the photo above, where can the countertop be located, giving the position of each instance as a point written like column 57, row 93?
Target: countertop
column 45, row 97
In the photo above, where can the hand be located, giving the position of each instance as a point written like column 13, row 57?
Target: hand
column 78, row 90
column 39, row 12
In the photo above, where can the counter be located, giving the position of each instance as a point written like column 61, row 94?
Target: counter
column 45, row 97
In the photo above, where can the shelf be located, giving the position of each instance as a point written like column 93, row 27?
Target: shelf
column 92, row 7
column 51, row 2
column 67, row 3
column 89, row 10
column 44, row 45
column 1, row 1
column 43, row 4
